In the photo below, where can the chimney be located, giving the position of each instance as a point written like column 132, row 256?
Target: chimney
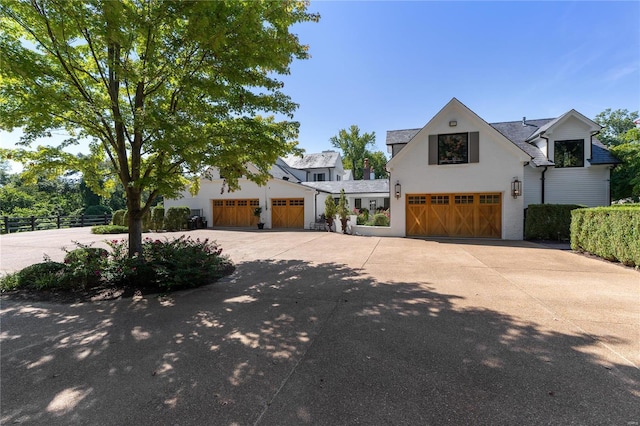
column 366, row 172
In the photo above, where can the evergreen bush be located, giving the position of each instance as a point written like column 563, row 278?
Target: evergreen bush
column 612, row 233
column 548, row 221
column 177, row 218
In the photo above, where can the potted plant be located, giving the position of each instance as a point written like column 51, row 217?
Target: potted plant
column 343, row 210
column 329, row 211
column 257, row 212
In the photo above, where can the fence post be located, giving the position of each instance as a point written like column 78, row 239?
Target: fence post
column 105, row 219
column 58, row 220
column 82, row 220
column 33, row 223
column 6, row 225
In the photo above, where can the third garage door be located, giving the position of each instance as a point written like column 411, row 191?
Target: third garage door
column 287, row 212
column 454, row 215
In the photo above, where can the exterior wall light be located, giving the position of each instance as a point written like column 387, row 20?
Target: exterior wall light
column 398, row 189
column 516, row 188
column 453, row 123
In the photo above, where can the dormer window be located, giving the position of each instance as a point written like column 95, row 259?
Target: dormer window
column 318, row 177
column 569, row 153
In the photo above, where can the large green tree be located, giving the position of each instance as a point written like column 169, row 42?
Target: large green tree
column 355, row 148
column 163, row 89
column 620, row 134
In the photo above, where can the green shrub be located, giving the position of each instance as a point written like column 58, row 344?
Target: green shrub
column 548, row 221
column 146, row 221
column 97, row 210
column 177, row 218
column 168, row 264
column 9, row 282
column 109, row 229
column 612, row 233
column 118, row 218
column 380, row 219
column 42, row 275
column 83, row 266
column 157, row 217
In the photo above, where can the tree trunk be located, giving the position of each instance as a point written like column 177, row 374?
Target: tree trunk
column 135, row 222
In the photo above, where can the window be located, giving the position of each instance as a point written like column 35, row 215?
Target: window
column 463, row 199
column 338, row 177
column 358, row 203
column 387, row 205
column 439, row 199
column 453, row 148
column 318, row 177
column 569, row 153
column 372, row 205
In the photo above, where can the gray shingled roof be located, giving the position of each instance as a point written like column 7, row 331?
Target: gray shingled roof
column 600, row 154
column 401, row 136
column 313, row 161
column 377, row 186
column 278, row 172
column 519, row 134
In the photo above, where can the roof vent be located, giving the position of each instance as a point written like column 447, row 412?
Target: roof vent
column 285, row 177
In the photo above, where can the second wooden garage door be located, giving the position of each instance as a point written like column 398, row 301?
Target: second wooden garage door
column 235, row 212
column 287, row 213
column 454, row 215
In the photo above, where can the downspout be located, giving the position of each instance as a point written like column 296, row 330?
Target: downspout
column 542, row 185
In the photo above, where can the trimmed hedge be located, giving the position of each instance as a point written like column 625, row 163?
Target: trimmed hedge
column 157, row 217
column 177, row 218
column 118, row 218
column 612, row 233
column 109, row 229
column 549, row 221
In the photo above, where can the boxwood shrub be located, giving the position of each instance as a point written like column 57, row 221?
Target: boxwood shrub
column 109, row 229
column 157, row 218
column 548, row 221
column 612, row 233
column 177, row 218
column 118, row 218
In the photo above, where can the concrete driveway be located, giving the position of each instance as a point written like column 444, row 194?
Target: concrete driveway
column 330, row 329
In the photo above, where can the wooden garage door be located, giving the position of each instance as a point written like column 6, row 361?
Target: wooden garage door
column 235, row 212
column 454, row 215
column 287, row 212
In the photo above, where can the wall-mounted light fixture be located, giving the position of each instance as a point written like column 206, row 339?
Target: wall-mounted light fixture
column 453, row 123
column 516, row 188
column 398, row 189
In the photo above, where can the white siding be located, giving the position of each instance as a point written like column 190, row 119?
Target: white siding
column 578, row 185
column 500, row 162
column 570, row 129
column 531, row 186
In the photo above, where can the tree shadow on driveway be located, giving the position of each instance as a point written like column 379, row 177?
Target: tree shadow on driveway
column 292, row 342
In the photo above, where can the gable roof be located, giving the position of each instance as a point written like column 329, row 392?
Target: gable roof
column 322, row 160
column 520, row 134
column 373, row 186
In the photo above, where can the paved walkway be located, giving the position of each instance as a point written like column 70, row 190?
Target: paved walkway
column 329, row 329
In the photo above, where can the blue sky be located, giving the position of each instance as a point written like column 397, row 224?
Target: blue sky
column 393, row 65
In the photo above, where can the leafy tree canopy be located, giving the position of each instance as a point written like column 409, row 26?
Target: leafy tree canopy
column 163, row 89
column 615, row 124
column 355, row 148
column 621, row 135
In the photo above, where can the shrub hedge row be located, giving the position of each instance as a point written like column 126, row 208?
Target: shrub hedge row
column 548, row 221
column 175, row 220
column 612, row 233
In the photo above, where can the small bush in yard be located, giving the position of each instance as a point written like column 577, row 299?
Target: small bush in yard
column 118, row 218
column 157, row 218
column 178, row 263
column 109, row 229
column 44, row 275
column 177, row 218
column 84, row 265
column 548, row 221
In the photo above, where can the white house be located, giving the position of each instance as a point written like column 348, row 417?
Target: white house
column 459, row 176
column 294, row 197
